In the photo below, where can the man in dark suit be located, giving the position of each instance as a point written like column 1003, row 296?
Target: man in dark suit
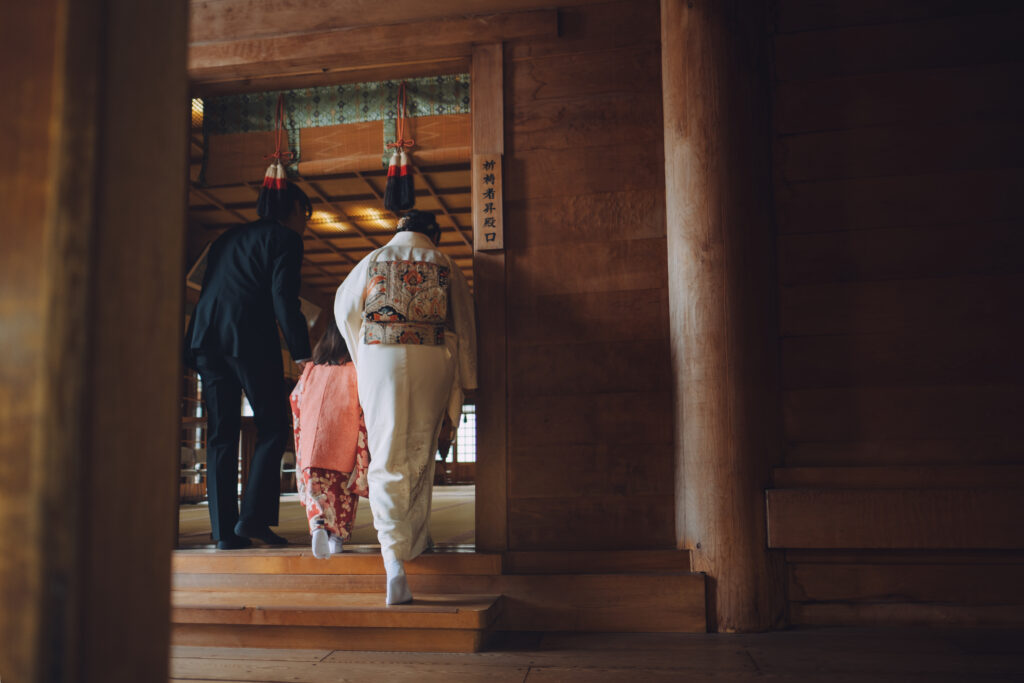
column 252, row 278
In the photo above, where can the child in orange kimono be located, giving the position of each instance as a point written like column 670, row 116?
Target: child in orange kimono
column 330, row 443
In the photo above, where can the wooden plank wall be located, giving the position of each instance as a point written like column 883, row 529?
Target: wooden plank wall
column 899, row 163
column 590, row 413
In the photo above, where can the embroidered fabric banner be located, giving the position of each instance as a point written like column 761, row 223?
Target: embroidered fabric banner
column 235, row 117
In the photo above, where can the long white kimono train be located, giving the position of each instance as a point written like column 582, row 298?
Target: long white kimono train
column 404, row 390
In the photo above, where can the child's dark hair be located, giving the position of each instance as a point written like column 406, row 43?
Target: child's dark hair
column 278, row 204
column 331, row 349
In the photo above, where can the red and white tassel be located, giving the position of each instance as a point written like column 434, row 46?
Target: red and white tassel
column 272, row 194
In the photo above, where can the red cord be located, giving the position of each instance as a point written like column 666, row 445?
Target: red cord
column 401, row 123
column 279, row 134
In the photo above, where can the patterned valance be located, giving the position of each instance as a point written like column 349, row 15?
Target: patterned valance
column 231, row 116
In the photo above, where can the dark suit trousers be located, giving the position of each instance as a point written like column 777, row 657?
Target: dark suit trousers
column 224, row 378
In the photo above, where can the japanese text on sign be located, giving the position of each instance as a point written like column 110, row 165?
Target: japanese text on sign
column 487, row 214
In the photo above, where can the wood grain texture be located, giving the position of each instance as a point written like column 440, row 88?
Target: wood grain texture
column 573, row 318
column 983, row 450
column 965, row 584
column 960, row 197
column 630, row 467
column 956, row 477
column 943, row 94
column 217, row 20
column 982, row 355
column 583, row 219
column 91, row 293
column 362, row 46
column 722, row 318
column 881, row 413
column 901, row 149
column 28, row 44
column 597, row 562
column 608, row 266
column 940, row 305
column 491, row 286
column 907, row 518
column 901, row 253
column 606, row 72
column 948, row 41
column 551, row 421
column 582, row 26
column 587, row 523
column 333, row 638
column 588, row 367
column 904, row 614
column 804, row 15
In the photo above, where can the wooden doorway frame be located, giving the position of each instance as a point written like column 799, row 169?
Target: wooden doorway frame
column 486, row 67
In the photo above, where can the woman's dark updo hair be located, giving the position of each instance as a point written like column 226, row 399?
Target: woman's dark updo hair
column 415, row 220
column 331, row 349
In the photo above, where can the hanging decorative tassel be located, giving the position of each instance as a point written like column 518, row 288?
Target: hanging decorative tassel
column 399, row 192
column 272, row 202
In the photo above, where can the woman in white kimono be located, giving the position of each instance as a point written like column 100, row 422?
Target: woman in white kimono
column 407, row 316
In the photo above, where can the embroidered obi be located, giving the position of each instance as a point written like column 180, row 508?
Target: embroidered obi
column 406, row 302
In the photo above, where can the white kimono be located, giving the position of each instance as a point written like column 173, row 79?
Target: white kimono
column 406, row 313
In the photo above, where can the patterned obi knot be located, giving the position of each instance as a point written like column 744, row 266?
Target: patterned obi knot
column 406, row 303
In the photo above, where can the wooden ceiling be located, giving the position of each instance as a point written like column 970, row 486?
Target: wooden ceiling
column 349, row 219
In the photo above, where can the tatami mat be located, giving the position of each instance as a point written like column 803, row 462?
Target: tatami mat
column 452, row 520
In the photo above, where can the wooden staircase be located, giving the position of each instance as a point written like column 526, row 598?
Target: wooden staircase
column 286, row 598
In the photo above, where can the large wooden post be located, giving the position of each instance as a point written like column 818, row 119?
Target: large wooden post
column 487, row 88
column 95, row 123
column 722, row 300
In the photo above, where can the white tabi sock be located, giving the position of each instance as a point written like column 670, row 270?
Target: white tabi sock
column 398, row 585
column 321, row 546
column 337, row 545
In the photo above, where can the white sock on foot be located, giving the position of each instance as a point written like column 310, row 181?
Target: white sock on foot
column 337, row 545
column 398, row 585
column 321, row 546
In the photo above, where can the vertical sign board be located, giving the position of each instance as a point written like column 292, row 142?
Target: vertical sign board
column 488, row 233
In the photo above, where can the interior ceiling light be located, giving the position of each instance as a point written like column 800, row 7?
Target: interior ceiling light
column 377, row 217
column 197, row 112
column 327, row 219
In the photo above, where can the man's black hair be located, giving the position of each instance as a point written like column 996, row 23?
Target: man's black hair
column 278, row 204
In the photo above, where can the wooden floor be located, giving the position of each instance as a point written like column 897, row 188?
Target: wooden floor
column 826, row 655
column 452, row 520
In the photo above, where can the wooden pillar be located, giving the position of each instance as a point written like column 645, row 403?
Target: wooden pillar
column 90, row 293
column 722, row 300
column 487, row 88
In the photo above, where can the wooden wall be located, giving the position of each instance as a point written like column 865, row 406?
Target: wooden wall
column 898, row 163
column 589, row 386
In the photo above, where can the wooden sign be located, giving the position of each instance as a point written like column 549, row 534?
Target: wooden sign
column 488, row 234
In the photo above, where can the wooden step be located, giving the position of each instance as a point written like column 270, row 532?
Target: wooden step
column 366, row 561
column 340, row 621
column 644, row 591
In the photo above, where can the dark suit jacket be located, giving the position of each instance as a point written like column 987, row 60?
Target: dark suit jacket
column 252, row 277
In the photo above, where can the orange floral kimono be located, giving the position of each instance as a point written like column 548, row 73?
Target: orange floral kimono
column 330, row 446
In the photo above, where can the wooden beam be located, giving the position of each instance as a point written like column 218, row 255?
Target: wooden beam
column 364, row 46
column 444, row 208
column 302, row 182
column 214, row 21
column 489, row 270
column 975, row 518
column 338, row 75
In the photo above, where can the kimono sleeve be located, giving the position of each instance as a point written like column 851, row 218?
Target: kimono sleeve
column 348, row 306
